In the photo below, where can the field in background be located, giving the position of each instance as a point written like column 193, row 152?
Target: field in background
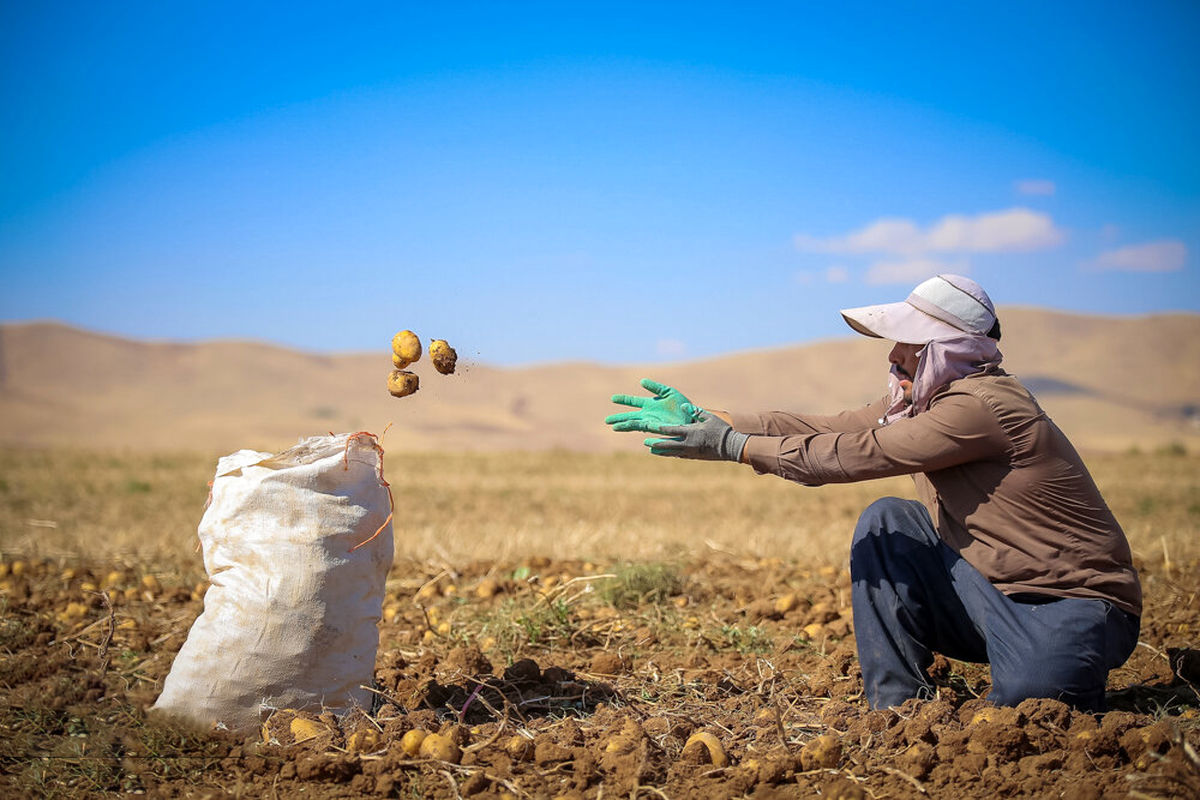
column 144, row 508
column 220, row 396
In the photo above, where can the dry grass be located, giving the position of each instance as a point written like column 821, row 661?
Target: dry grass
column 144, row 507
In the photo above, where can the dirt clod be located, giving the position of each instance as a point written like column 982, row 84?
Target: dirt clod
column 823, row 752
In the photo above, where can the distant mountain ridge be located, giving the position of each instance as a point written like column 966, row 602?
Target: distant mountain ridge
column 1109, row 382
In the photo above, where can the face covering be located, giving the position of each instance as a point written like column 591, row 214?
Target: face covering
column 939, row 363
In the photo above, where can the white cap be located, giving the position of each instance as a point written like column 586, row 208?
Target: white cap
column 947, row 305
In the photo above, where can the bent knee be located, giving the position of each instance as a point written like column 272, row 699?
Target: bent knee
column 1084, row 695
column 892, row 515
column 1012, row 691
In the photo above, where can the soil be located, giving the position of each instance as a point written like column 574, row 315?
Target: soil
column 546, row 686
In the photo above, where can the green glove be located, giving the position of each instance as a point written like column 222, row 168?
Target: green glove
column 710, row 438
column 667, row 407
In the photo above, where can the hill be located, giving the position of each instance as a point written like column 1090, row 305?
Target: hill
column 1110, row 383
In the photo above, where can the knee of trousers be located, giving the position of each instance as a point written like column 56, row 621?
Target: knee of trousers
column 889, row 531
column 1012, row 691
column 892, row 515
column 1081, row 687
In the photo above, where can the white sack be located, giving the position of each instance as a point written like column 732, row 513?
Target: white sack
column 290, row 616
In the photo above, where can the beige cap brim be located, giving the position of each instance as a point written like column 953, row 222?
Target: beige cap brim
column 898, row 322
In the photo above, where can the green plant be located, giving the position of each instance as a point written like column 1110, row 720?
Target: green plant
column 636, row 584
column 547, row 621
column 522, row 621
column 747, row 641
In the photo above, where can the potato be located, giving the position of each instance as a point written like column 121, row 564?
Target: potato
column 406, row 346
column 410, row 743
column 824, row 752
column 363, row 741
column 402, row 383
column 304, row 729
column 705, row 744
column 72, row 612
column 443, row 356
column 786, row 603
column 441, row 748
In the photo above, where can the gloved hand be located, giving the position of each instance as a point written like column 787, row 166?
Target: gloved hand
column 709, row 439
column 665, row 408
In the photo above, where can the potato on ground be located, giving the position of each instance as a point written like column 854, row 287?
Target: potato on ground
column 411, row 742
column 703, row 748
column 440, row 747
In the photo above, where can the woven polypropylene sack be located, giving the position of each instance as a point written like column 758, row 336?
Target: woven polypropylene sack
column 297, row 547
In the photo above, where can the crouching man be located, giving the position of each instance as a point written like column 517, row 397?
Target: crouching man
column 1012, row 557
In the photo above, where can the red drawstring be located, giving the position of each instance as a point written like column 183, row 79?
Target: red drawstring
column 391, row 501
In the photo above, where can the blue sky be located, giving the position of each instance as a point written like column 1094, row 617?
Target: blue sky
column 616, row 182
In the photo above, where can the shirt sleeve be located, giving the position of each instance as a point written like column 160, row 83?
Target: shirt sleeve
column 957, row 428
column 786, row 423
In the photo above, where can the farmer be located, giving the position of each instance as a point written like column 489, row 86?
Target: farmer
column 1011, row 558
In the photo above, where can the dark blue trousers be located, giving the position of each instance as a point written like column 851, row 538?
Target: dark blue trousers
column 914, row 596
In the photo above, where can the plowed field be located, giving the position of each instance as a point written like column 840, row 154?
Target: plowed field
column 554, row 682
column 559, row 677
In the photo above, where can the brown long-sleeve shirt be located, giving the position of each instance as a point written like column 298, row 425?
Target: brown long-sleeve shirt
column 1005, row 487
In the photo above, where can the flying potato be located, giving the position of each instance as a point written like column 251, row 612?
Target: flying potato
column 406, row 347
column 402, row 383
column 443, row 356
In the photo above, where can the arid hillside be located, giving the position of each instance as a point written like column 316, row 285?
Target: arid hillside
column 1111, row 383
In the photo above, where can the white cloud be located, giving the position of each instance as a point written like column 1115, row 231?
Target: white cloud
column 1035, row 186
column 837, row 274
column 1164, row 255
column 913, row 270
column 670, row 348
column 886, row 235
column 1015, row 230
column 1012, row 230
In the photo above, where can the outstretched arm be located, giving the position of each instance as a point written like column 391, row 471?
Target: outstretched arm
column 787, row 423
column 956, row 429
